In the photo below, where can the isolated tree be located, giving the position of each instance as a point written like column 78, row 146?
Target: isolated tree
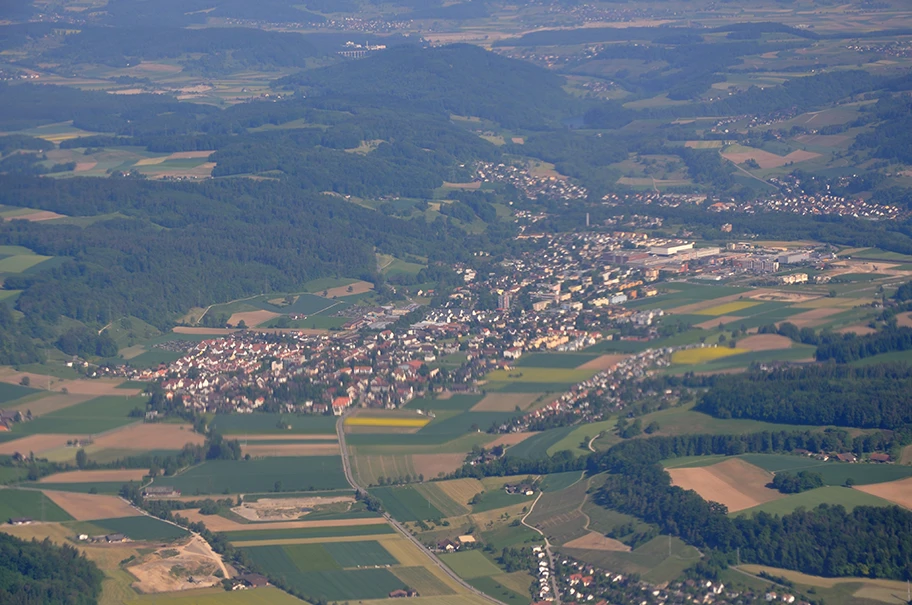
column 26, row 381
column 81, row 458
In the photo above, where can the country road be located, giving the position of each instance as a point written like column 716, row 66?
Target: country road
column 550, row 556
column 346, row 467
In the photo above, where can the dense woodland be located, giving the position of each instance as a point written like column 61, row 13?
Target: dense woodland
column 875, row 396
column 42, row 572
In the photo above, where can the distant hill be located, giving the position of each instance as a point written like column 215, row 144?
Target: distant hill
column 458, row 79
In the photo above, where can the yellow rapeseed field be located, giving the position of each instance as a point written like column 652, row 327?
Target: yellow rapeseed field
column 692, row 356
column 727, row 308
column 409, row 423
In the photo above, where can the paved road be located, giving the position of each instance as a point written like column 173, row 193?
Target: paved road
column 554, row 590
column 346, row 467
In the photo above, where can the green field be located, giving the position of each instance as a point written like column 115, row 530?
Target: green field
column 849, row 498
column 558, row 481
column 260, row 475
column 217, row 596
column 94, row 416
column 239, row 424
column 490, row 586
column 11, row 392
column 142, row 528
column 567, row 361
column 439, row 499
column 470, row 564
column 460, row 403
column 451, row 426
column 833, row 473
column 548, row 375
column 651, row 560
column 153, row 358
column 100, row 487
column 577, row 440
column 29, row 503
column 307, row 532
column 367, row 553
column 308, row 569
column 537, row 446
column 406, row 503
column 422, row 580
column 498, row 498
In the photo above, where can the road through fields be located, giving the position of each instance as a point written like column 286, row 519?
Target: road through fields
column 346, row 467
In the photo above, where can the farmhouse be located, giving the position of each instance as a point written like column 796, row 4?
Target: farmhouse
column 523, row 489
column 21, row 521
column 399, row 594
column 162, row 491
column 447, row 545
column 249, row 580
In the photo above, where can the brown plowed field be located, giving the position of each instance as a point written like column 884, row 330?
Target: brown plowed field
column 359, row 287
column 814, row 317
column 734, row 483
column 51, row 403
column 42, row 215
column 765, row 342
column 505, row 402
column 291, row 449
column 904, row 320
column 252, row 318
column 87, row 507
column 125, row 475
column 603, row 362
column 857, row 329
column 899, row 492
column 150, row 437
column 509, row 439
column 712, row 324
column 96, row 388
column 430, row 465
column 36, row 443
column 594, row 541
column 217, row 523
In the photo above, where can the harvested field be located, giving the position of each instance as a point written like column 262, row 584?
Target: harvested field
column 252, row 318
column 472, row 185
column 823, row 140
column 857, row 329
column 217, row 523
column 904, row 320
column 88, row 507
column 281, row 437
column 285, row 509
column 41, row 215
column 814, row 317
column 726, row 308
column 358, row 287
column 36, row 443
column 505, row 402
column 692, row 308
column 84, row 166
column 373, row 421
column 203, row 331
column 291, row 449
column 769, row 160
column 734, row 483
column 829, row 303
column 151, row 161
column 765, row 342
column 183, row 155
column 792, row 297
column 899, row 492
column 51, row 403
column 510, row 439
column 431, row 465
column 602, row 362
column 595, row 541
column 170, row 569
column 461, row 490
column 702, row 355
column 711, row 324
column 126, row 475
column 150, row 437
column 703, row 144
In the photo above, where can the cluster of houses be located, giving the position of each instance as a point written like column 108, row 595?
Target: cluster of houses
column 532, row 186
column 115, row 538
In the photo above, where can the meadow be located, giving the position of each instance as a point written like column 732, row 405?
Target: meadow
column 260, row 475
column 461, row 403
column 470, row 564
column 217, row 596
column 92, row 417
column 833, row 473
column 554, row 360
column 142, row 528
column 29, row 503
column 308, row 533
column 313, row 572
column 704, row 354
column 11, row 392
column 660, row 560
column 832, row 495
column 406, row 503
column 537, row 374
column 239, row 424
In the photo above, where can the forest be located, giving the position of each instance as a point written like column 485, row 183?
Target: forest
column 875, row 396
column 42, row 572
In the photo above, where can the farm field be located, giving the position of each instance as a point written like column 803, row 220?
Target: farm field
column 406, row 503
column 94, row 416
column 470, row 564
column 833, row 473
column 390, row 422
column 268, row 595
column 308, row 533
column 141, row 528
column 846, row 497
column 704, row 354
column 555, row 360
column 898, row 492
column 541, row 375
column 241, row 424
column 87, row 507
column 734, row 483
column 659, row 560
column 460, row 403
column 29, row 503
column 260, row 475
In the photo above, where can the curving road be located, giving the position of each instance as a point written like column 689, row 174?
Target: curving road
column 346, row 467
column 554, row 591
